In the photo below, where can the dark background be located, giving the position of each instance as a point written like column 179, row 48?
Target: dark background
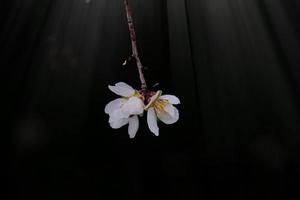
column 233, row 63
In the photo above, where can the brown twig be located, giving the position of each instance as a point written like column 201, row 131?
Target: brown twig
column 134, row 45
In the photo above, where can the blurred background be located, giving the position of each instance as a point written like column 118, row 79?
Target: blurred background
column 233, row 63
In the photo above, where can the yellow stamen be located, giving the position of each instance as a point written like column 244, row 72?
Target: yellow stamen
column 154, row 99
column 159, row 106
column 137, row 94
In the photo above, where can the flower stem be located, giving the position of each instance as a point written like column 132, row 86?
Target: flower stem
column 134, row 45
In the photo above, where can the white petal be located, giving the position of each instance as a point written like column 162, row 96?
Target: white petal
column 171, row 98
column 124, row 85
column 170, row 109
column 152, row 121
column 167, row 118
column 133, row 126
column 134, row 106
column 122, row 89
column 113, row 105
column 118, row 123
column 117, row 114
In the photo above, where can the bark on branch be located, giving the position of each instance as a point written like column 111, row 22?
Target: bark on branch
column 135, row 54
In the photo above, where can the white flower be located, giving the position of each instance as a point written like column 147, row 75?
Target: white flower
column 161, row 107
column 124, row 110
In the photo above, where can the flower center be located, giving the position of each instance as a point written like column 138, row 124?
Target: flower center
column 153, row 99
column 139, row 95
column 159, row 106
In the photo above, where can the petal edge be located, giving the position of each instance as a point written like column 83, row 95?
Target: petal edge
column 122, row 89
column 133, row 126
column 171, row 98
column 152, row 121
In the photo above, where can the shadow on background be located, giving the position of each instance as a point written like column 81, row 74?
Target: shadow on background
column 234, row 65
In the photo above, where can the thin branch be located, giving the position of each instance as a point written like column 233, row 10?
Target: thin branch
column 134, row 45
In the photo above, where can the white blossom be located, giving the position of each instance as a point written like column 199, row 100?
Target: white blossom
column 125, row 110
column 161, row 107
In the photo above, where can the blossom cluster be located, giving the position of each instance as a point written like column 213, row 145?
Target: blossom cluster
column 133, row 103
